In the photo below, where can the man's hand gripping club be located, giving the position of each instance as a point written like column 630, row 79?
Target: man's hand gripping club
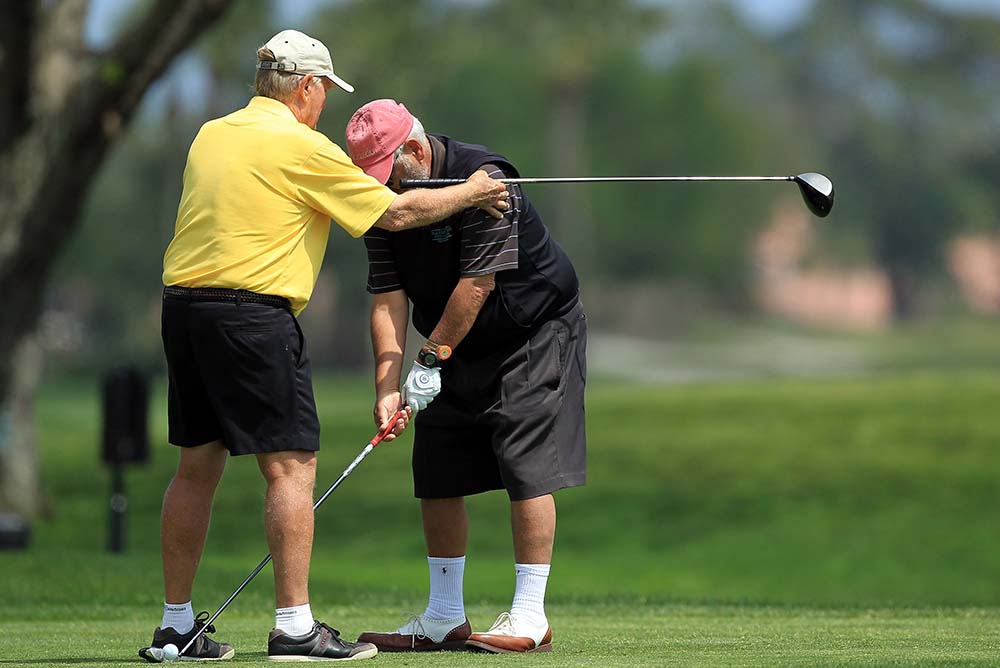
column 488, row 194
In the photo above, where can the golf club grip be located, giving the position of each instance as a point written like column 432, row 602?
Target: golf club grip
column 388, row 428
column 429, row 183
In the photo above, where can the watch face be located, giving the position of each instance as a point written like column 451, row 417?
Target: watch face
column 428, row 358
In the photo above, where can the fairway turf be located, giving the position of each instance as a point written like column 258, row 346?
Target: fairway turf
column 846, row 522
column 630, row 635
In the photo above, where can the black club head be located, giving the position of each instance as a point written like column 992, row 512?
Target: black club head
column 817, row 191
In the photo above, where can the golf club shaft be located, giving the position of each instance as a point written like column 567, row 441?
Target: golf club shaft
column 372, row 444
column 817, row 190
column 436, row 183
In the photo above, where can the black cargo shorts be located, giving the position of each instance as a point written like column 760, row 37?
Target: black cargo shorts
column 513, row 420
column 239, row 372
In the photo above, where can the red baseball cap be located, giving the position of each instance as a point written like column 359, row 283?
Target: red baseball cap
column 374, row 132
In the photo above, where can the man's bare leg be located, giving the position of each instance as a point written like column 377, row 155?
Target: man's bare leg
column 533, row 523
column 187, row 509
column 446, row 526
column 288, row 521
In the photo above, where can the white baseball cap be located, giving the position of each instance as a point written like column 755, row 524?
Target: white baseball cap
column 299, row 53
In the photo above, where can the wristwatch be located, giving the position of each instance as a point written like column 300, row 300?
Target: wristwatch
column 432, row 354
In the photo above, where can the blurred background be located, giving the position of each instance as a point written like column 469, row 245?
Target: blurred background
column 759, row 378
column 896, row 101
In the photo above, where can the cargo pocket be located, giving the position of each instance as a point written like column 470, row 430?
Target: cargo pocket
column 546, row 359
column 581, row 347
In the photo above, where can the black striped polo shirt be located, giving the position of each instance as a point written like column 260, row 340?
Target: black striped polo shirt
column 535, row 280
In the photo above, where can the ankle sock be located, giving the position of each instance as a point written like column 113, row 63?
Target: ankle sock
column 294, row 621
column 178, row 616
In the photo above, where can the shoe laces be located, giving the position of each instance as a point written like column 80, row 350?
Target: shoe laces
column 200, row 620
column 203, row 640
column 415, row 624
column 504, row 625
column 335, row 632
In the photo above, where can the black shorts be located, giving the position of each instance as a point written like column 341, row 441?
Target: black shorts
column 239, row 373
column 512, row 421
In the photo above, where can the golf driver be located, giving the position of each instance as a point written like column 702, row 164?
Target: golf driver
column 156, row 655
column 816, row 189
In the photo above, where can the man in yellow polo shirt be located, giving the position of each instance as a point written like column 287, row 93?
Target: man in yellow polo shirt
column 260, row 188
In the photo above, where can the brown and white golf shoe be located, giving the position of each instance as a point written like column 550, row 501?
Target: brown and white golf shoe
column 422, row 634
column 507, row 636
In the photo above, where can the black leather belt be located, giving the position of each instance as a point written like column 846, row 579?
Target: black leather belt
column 224, row 295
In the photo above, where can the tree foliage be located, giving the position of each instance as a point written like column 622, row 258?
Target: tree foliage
column 892, row 98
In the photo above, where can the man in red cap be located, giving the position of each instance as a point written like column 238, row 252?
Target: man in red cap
column 498, row 383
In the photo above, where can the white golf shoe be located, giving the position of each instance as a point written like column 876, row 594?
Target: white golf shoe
column 509, row 634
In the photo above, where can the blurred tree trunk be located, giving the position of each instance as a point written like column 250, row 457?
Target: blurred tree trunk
column 903, row 288
column 61, row 108
column 20, row 490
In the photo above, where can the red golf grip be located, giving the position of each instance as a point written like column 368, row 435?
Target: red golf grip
column 389, row 426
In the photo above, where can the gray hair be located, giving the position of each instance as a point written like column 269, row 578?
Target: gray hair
column 275, row 84
column 417, row 132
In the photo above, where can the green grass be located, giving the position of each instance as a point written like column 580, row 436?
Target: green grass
column 605, row 635
column 848, row 522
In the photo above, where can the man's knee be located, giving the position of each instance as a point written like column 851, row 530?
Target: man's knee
column 449, row 504
column 202, row 464
column 297, row 466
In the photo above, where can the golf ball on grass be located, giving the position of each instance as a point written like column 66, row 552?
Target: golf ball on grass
column 170, row 652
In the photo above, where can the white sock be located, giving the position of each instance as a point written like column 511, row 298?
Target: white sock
column 446, row 600
column 295, row 621
column 178, row 616
column 529, row 594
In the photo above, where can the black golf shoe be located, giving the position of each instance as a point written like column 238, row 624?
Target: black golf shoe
column 203, row 649
column 321, row 644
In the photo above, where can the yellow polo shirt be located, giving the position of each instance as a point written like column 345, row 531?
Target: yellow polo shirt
column 260, row 189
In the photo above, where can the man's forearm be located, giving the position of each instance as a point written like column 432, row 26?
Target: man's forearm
column 416, row 208
column 462, row 309
column 390, row 313
column 423, row 207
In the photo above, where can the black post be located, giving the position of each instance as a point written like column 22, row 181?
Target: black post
column 119, row 504
column 125, row 441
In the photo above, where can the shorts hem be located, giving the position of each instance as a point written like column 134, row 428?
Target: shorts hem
column 258, row 449
column 525, row 492
column 289, row 447
column 455, row 493
column 522, row 493
column 194, row 443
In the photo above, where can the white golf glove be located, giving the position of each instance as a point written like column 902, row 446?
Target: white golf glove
column 421, row 386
